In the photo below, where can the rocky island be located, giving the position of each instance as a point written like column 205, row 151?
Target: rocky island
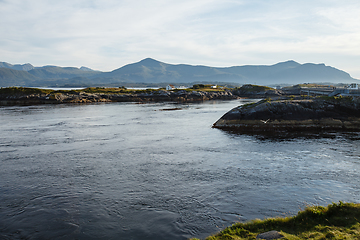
column 31, row 96
column 294, row 114
column 199, row 92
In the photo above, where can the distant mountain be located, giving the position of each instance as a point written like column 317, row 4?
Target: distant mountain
column 11, row 77
column 53, row 72
column 152, row 71
column 23, row 67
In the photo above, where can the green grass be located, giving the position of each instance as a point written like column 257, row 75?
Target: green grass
column 206, row 88
column 336, row 221
column 120, row 90
column 254, row 104
column 23, row 91
column 337, row 98
column 253, row 88
column 250, row 105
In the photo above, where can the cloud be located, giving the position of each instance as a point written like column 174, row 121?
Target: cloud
column 108, row 34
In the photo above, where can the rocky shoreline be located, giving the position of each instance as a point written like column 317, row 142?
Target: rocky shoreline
column 83, row 97
column 289, row 114
column 31, row 96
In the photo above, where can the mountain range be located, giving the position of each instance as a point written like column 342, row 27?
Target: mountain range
column 150, row 71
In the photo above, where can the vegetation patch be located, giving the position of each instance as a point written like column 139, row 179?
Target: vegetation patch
column 250, row 88
column 207, row 88
column 337, row 98
column 23, row 91
column 119, row 90
column 250, row 105
column 254, row 104
column 180, row 90
column 336, row 221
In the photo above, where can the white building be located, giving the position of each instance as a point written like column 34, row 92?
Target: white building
column 170, row 87
column 353, row 86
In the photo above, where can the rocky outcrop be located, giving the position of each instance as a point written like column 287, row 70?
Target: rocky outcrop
column 256, row 91
column 300, row 114
column 83, row 97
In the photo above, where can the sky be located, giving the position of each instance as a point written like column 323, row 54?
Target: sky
column 108, row 34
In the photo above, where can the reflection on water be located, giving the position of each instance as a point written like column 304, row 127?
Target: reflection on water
column 132, row 171
column 296, row 135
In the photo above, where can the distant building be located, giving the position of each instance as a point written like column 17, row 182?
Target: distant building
column 353, row 86
column 214, row 86
column 170, row 87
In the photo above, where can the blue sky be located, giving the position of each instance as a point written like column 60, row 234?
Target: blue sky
column 108, row 34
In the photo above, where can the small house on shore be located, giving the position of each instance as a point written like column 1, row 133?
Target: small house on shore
column 170, row 87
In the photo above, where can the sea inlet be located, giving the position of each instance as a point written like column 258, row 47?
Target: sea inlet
column 158, row 171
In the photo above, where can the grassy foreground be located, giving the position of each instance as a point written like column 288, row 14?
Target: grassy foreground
column 336, row 221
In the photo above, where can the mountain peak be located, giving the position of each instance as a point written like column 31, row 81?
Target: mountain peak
column 289, row 63
column 86, row 69
column 23, row 67
column 149, row 62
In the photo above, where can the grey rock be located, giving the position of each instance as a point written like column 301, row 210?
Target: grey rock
column 270, row 235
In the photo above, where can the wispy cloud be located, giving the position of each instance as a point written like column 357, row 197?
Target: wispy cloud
column 108, row 34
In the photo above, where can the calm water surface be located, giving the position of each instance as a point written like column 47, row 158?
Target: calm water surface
column 135, row 171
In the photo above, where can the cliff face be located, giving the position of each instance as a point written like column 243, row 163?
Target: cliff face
column 294, row 115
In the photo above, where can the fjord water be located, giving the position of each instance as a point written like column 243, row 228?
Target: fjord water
column 139, row 171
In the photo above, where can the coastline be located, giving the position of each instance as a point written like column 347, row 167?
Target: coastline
column 83, row 97
column 198, row 93
column 33, row 96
